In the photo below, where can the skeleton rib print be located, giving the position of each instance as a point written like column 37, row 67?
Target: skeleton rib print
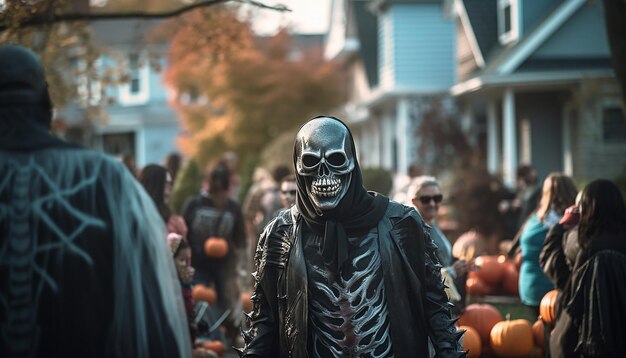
column 349, row 316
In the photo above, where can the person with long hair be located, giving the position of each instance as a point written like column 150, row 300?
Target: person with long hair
column 158, row 184
column 558, row 193
column 591, row 309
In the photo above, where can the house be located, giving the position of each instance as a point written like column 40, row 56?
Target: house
column 139, row 121
column 398, row 56
column 534, row 78
column 531, row 81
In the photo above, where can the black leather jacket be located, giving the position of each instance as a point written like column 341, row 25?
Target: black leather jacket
column 418, row 307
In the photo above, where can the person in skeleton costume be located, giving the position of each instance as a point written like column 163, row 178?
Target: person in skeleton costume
column 345, row 272
column 85, row 270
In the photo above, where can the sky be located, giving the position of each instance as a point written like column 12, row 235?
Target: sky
column 307, row 16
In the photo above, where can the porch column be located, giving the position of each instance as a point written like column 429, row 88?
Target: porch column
column 568, row 161
column 402, row 118
column 493, row 139
column 467, row 121
column 375, row 142
column 387, row 142
column 509, row 137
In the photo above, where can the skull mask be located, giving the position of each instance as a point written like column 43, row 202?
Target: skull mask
column 325, row 159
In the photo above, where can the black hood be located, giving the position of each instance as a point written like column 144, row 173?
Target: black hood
column 356, row 213
column 25, row 106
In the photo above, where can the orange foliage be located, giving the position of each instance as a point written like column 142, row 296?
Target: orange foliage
column 235, row 91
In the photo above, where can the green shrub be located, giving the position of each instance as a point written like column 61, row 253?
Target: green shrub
column 187, row 185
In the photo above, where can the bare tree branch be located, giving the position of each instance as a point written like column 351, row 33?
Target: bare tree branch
column 46, row 19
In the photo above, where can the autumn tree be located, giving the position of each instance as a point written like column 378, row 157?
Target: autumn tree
column 67, row 51
column 60, row 32
column 236, row 91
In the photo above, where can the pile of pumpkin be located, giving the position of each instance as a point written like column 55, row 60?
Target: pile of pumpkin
column 487, row 333
column 493, row 275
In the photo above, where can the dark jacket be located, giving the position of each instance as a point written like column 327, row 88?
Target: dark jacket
column 590, row 307
column 557, row 260
column 418, row 307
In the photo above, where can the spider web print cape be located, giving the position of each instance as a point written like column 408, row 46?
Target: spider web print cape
column 84, row 266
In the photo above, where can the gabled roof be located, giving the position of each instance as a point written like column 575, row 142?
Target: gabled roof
column 367, row 32
column 516, row 55
column 517, row 63
column 482, row 16
column 483, row 23
column 357, row 35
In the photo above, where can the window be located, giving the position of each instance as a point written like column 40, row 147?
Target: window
column 136, row 90
column 134, row 71
column 508, row 21
column 2, row 5
column 613, row 125
column 119, row 143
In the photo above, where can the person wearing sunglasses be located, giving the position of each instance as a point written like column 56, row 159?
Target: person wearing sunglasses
column 426, row 196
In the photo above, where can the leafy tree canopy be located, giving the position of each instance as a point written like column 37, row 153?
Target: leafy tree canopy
column 59, row 32
column 236, row 91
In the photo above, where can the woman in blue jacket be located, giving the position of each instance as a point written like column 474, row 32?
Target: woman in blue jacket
column 559, row 192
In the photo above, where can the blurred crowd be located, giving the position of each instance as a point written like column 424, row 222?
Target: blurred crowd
column 566, row 244
column 88, row 228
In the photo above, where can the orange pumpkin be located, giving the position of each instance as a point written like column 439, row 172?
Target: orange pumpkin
column 204, row 293
column 471, row 342
column 216, row 247
column 476, row 287
column 510, row 280
column 246, row 301
column 512, row 338
column 539, row 330
column 489, row 269
column 215, row 346
column 481, row 317
column 547, row 307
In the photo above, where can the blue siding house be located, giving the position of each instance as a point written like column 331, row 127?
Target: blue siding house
column 398, row 55
column 536, row 81
column 530, row 81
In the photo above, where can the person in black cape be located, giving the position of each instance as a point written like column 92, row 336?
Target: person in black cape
column 85, row 270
